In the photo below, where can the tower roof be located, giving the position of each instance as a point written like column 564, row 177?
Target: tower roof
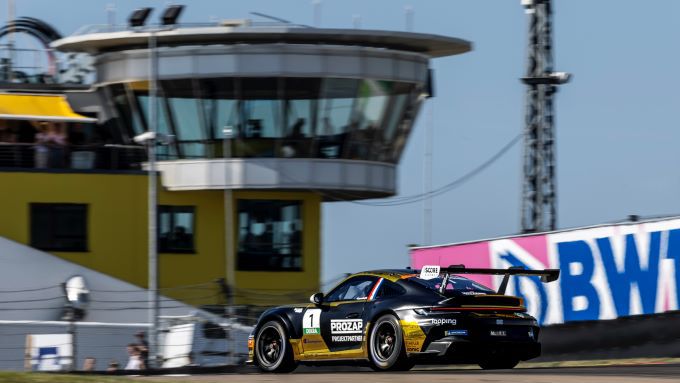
column 429, row 44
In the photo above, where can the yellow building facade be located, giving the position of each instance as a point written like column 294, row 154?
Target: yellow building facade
column 117, row 223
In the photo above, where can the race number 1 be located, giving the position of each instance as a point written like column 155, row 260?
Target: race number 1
column 310, row 322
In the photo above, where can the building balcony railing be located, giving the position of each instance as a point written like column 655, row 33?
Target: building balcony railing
column 71, row 157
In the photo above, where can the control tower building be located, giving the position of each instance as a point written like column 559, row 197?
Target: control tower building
column 267, row 123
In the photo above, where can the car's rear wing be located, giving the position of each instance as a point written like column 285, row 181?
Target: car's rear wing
column 547, row 275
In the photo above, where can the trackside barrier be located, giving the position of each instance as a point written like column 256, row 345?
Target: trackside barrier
column 649, row 336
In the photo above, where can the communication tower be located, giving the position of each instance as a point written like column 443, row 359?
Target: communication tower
column 539, row 201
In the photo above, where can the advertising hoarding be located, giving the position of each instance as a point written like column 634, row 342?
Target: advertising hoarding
column 607, row 271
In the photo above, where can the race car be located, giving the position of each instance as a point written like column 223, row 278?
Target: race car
column 394, row 319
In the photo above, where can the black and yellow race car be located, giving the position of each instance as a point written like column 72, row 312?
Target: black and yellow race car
column 394, row 319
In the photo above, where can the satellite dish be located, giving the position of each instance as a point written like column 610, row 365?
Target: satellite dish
column 77, row 292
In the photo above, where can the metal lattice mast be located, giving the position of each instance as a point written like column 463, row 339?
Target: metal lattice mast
column 539, row 191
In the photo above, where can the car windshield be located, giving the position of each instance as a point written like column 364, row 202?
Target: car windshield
column 456, row 286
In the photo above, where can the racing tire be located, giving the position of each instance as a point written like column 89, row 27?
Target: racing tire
column 273, row 352
column 386, row 350
column 498, row 363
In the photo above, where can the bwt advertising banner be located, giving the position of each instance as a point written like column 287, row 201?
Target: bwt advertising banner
column 605, row 271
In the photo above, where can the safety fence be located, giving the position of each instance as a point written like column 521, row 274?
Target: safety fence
column 42, row 330
column 71, row 157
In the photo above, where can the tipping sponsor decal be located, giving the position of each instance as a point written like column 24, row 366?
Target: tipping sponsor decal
column 310, row 322
column 298, row 310
column 347, row 330
column 441, row 321
column 429, row 272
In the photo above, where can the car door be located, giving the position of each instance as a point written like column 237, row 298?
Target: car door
column 342, row 317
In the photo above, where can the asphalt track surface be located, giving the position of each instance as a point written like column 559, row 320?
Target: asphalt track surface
column 606, row 374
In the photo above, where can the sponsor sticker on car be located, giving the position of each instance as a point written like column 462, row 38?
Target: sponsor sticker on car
column 347, row 338
column 347, row 326
column 429, row 272
column 347, row 330
column 455, row 332
column 442, row 321
column 310, row 322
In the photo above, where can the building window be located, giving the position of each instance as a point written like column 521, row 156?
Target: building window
column 59, row 227
column 270, row 235
column 176, row 229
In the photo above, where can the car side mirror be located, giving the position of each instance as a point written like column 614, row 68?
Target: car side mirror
column 317, row 298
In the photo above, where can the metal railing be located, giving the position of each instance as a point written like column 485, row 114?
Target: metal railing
column 108, row 28
column 72, row 157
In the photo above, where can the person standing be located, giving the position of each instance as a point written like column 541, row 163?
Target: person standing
column 134, row 358
column 143, row 347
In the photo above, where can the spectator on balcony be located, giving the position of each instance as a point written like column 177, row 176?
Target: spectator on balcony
column 50, row 143
column 83, row 155
column 42, row 146
column 59, row 142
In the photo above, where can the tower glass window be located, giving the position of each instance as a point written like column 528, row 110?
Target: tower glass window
column 282, row 117
column 59, row 227
column 176, row 229
column 269, row 235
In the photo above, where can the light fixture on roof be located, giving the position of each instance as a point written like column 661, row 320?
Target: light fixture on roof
column 139, row 16
column 171, row 14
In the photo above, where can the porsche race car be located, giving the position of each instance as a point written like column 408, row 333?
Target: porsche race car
column 394, row 319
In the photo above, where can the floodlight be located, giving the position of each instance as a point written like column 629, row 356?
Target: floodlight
column 560, row 77
column 171, row 14
column 77, row 292
column 150, row 137
column 139, row 16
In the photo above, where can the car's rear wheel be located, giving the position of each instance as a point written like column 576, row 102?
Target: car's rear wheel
column 498, row 363
column 386, row 345
column 273, row 352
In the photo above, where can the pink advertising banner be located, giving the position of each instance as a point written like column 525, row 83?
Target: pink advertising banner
column 606, row 271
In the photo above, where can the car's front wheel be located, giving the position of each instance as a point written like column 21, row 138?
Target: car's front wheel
column 386, row 345
column 273, row 352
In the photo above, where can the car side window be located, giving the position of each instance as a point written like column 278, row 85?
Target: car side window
column 356, row 288
column 389, row 289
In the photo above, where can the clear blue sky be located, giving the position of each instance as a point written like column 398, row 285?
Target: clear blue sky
column 617, row 123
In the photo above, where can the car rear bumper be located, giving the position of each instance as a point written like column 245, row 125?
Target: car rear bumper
column 455, row 350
